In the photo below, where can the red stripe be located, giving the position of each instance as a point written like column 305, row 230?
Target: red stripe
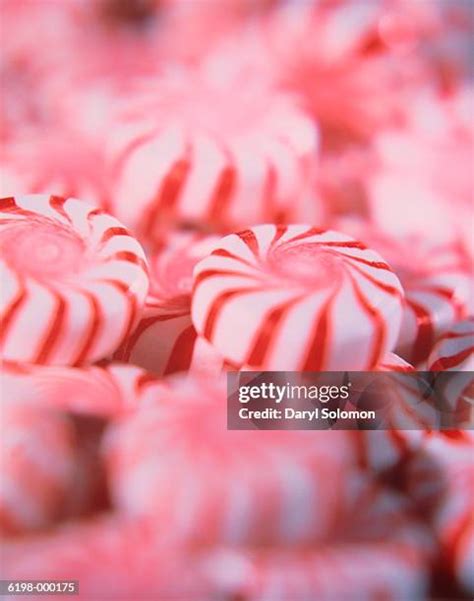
column 221, row 252
column 182, row 352
column 378, row 321
column 385, row 287
column 8, row 204
column 345, row 244
column 223, row 191
column 210, row 273
column 10, row 313
column 218, row 304
column 280, row 232
column 114, row 231
column 453, row 361
column 424, row 339
column 267, row 333
column 316, row 357
column 249, row 238
column 375, row 264
column 312, row 231
column 168, row 193
column 96, row 213
column 54, row 330
column 57, row 203
column 94, row 328
column 144, row 379
column 130, row 257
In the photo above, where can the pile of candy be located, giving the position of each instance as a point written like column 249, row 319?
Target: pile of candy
column 190, row 188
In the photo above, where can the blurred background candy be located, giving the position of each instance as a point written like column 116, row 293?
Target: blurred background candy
column 189, row 122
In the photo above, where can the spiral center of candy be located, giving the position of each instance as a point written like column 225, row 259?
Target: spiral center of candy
column 42, row 250
column 308, row 264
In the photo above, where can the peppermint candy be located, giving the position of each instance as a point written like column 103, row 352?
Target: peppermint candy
column 37, row 465
column 282, row 487
column 297, row 298
column 436, row 277
column 165, row 340
column 187, row 152
column 74, row 280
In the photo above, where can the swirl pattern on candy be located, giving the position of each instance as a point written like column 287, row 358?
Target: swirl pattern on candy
column 436, row 278
column 207, row 157
column 74, row 280
column 297, row 298
column 280, row 487
column 165, row 340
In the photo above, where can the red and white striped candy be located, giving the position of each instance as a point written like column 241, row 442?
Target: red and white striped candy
column 165, row 340
column 455, row 349
column 53, row 161
column 297, row 298
column 361, row 572
column 74, row 280
column 112, row 558
column 104, row 392
column 188, row 151
column 175, row 462
column 436, row 278
column 37, row 465
column 440, row 479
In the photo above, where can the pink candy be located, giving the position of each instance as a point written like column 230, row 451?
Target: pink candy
column 37, row 464
column 165, row 340
column 436, row 280
column 75, row 266
column 281, row 487
column 207, row 157
column 297, row 298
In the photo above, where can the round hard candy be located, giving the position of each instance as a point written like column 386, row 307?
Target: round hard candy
column 96, row 391
column 297, row 298
column 74, row 281
column 188, row 152
column 436, row 278
column 356, row 571
column 37, row 465
column 440, row 479
column 209, row 484
column 454, row 350
column 165, row 340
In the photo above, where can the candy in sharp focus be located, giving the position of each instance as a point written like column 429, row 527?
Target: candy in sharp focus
column 188, row 152
column 297, row 298
column 37, row 465
column 165, row 340
column 74, row 280
column 436, row 278
column 279, row 486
